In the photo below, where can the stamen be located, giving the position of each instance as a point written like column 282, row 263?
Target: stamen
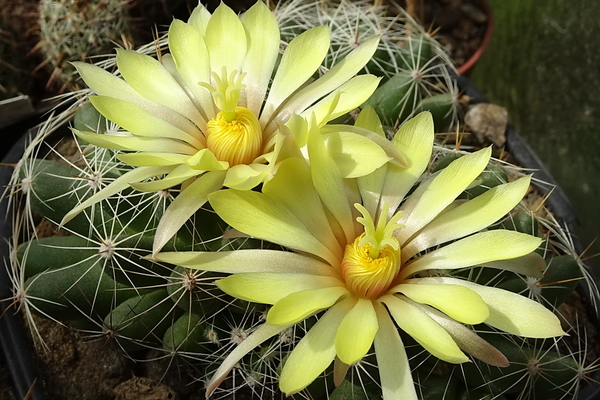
column 238, row 141
column 365, row 276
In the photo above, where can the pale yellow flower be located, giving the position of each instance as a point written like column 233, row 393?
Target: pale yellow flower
column 371, row 256
column 212, row 113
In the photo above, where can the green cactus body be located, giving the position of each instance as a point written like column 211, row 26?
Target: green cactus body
column 73, row 30
column 187, row 334
column 141, row 320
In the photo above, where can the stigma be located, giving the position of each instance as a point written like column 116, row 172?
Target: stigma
column 372, row 261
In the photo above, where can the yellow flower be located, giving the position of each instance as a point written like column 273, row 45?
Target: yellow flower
column 372, row 265
column 212, row 112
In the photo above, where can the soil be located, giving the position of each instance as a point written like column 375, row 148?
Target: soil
column 459, row 25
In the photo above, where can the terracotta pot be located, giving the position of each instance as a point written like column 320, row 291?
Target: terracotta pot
column 465, row 69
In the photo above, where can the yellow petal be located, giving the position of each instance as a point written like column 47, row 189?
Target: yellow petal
column 199, row 18
column 270, row 287
column 149, row 78
column 177, row 175
column 147, row 159
column 184, row 206
column 313, row 354
column 329, row 183
column 336, row 76
column 226, row 40
column 205, row 160
column 356, row 332
column 136, row 143
column 255, row 214
column 242, row 261
column 394, row 370
column 263, row 49
column 141, row 123
column 104, row 83
column 512, row 312
column 355, row 155
column 474, row 250
column 462, row 305
column 122, row 182
column 350, row 95
column 368, row 119
column 293, row 187
column 469, row 217
column 415, row 140
column 442, row 190
column 412, row 320
column 301, row 58
column 299, row 305
column 245, row 177
column 189, row 51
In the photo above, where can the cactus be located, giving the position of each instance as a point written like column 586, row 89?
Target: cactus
column 100, row 277
column 73, row 30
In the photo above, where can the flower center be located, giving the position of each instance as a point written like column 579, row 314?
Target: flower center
column 234, row 134
column 367, row 276
column 238, row 141
column 372, row 261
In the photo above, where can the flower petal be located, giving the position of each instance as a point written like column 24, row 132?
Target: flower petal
column 184, row 206
column 244, row 177
column 293, row 187
column 199, row 18
column 299, row 305
column 149, row 78
column 205, row 160
column 442, row 191
column 226, row 40
column 415, row 140
column 315, row 351
column 531, row 264
column 329, row 182
column 300, row 60
column 241, row 261
column 178, row 175
column 474, row 250
column 139, row 122
column 336, row 76
column 356, row 332
column 354, row 154
column 257, row 337
column 255, row 214
column 468, row 340
column 468, row 217
column 350, row 95
column 414, row 321
column 122, row 182
column 270, row 287
column 189, row 51
column 462, row 305
column 152, row 159
column 263, row 48
column 512, row 312
column 104, row 83
column 394, row 370
column 368, row 119
column 136, row 143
